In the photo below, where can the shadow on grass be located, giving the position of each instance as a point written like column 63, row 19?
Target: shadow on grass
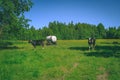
column 7, row 45
column 101, row 51
column 114, row 42
column 104, row 54
column 79, row 48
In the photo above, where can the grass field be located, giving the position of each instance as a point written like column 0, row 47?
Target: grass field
column 68, row 60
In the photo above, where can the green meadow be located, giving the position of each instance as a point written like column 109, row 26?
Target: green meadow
column 68, row 60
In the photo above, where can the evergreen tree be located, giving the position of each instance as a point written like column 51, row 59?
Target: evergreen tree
column 111, row 33
column 118, row 33
column 101, row 31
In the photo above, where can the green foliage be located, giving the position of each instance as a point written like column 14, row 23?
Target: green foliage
column 63, row 31
column 101, row 31
column 112, row 32
column 11, row 16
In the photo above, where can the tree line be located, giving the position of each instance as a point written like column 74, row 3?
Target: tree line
column 63, row 31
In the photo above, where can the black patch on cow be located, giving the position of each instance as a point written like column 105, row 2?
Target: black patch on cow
column 37, row 42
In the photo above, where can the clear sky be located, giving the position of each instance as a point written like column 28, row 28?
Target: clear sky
column 83, row 11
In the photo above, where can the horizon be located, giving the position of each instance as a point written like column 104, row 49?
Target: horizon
column 83, row 11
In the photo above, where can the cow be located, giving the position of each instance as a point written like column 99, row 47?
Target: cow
column 51, row 40
column 37, row 42
column 91, row 43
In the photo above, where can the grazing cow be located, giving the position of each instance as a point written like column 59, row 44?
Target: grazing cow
column 37, row 42
column 51, row 40
column 91, row 43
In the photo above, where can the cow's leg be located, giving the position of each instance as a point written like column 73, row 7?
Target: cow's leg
column 42, row 45
column 48, row 42
column 89, row 46
column 55, row 43
column 93, row 46
column 34, row 44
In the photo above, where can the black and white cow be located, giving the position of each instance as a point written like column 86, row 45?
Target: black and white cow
column 91, row 43
column 51, row 40
column 37, row 42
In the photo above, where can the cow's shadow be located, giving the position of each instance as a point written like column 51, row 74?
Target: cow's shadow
column 104, row 54
column 79, row 48
column 7, row 45
column 100, row 51
column 114, row 42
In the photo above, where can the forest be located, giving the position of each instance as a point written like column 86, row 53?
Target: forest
column 63, row 31
column 14, row 25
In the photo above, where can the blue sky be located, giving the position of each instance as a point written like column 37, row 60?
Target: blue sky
column 83, row 11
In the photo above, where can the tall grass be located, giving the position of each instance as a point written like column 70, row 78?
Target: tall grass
column 68, row 60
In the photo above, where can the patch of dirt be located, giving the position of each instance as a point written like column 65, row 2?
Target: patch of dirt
column 64, row 69
column 74, row 66
column 103, row 76
column 66, row 72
